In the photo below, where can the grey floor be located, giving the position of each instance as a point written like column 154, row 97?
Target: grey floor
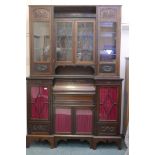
column 73, row 148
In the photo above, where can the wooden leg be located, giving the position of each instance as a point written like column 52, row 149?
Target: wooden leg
column 91, row 143
column 52, row 143
column 55, row 142
column 119, row 144
column 94, row 145
column 28, row 142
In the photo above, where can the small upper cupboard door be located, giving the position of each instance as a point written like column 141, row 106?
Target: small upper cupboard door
column 64, row 41
column 85, row 41
column 108, row 21
column 40, row 40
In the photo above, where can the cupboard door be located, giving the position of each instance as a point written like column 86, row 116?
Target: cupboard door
column 62, row 120
column 41, row 25
column 108, row 22
column 108, row 104
column 84, row 121
column 85, row 41
column 39, row 103
column 64, row 41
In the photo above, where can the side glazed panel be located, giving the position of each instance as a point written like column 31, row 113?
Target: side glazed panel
column 108, row 106
column 41, row 32
column 108, row 25
column 39, row 102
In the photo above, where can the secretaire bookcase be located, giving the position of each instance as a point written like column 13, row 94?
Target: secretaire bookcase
column 74, row 87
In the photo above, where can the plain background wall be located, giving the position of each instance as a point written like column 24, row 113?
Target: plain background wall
column 124, row 32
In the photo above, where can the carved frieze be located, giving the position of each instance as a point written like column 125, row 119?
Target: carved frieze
column 40, row 13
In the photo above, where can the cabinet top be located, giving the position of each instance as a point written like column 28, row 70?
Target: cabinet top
column 74, row 5
column 73, row 77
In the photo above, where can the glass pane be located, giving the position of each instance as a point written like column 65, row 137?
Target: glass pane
column 107, row 40
column 39, row 102
column 62, row 120
column 84, row 120
column 64, row 41
column 41, row 41
column 108, row 103
column 85, row 41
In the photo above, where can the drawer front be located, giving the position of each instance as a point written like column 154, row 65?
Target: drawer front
column 74, row 99
column 107, row 130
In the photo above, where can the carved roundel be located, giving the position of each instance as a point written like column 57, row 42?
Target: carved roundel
column 40, row 13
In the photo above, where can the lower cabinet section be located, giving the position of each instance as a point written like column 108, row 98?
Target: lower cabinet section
column 80, row 109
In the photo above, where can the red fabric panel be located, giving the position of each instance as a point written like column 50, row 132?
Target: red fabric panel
column 63, row 120
column 108, row 103
column 84, row 121
column 39, row 102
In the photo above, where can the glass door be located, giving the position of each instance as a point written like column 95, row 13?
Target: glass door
column 41, row 41
column 64, row 41
column 85, row 41
column 107, row 46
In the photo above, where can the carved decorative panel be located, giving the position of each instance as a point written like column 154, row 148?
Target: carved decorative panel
column 41, row 67
column 39, row 128
column 40, row 13
column 107, row 130
column 107, row 68
column 108, row 13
